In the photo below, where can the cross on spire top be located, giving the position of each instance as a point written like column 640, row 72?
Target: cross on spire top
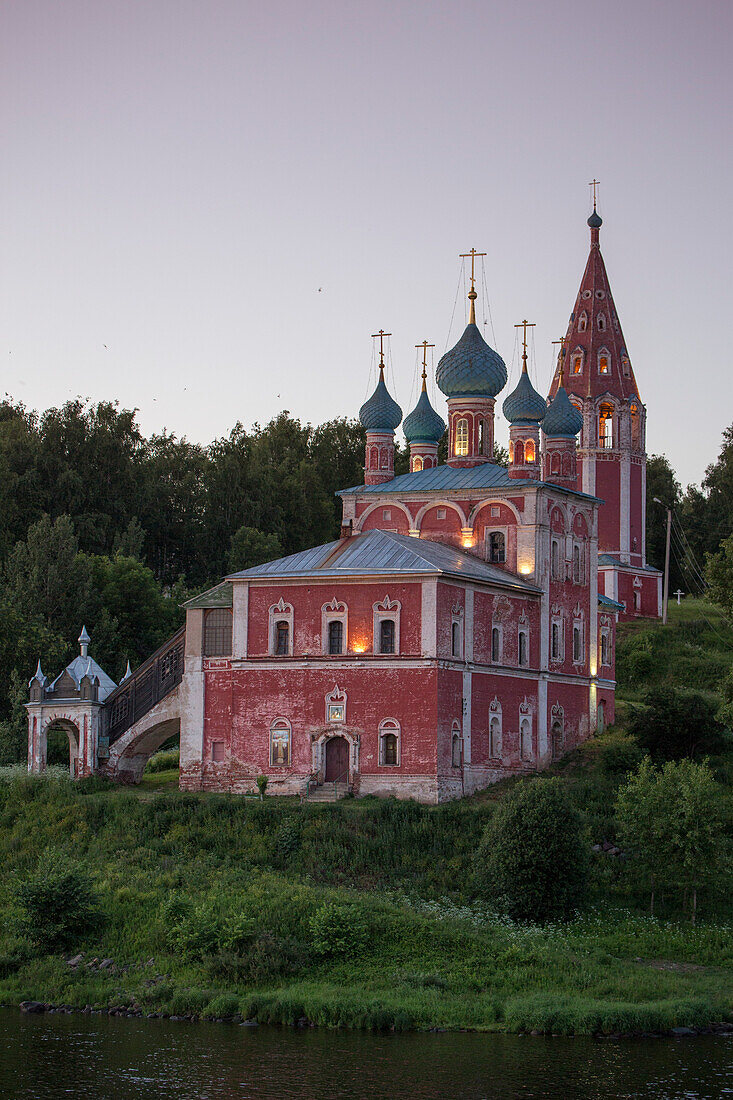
column 560, row 356
column 473, row 254
column 425, row 345
column 594, row 183
column 381, row 334
column 524, row 325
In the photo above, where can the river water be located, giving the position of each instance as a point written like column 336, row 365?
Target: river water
column 111, row 1058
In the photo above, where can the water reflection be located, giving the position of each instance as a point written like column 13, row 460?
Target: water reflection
column 99, row 1058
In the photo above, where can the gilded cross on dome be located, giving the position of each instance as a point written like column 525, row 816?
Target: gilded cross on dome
column 381, row 334
column 524, row 325
column 473, row 254
column 425, row 345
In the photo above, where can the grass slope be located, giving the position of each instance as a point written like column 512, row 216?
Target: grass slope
column 363, row 913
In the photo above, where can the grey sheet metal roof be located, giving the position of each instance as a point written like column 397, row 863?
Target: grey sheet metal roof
column 606, row 601
column 487, row 475
column 611, row 559
column 385, row 553
column 83, row 666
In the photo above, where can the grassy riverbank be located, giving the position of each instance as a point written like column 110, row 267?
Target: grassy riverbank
column 362, row 914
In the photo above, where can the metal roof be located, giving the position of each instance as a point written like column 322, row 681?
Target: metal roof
column 611, row 559
column 487, row 475
column 606, row 601
column 87, row 666
column 219, row 596
column 384, row 553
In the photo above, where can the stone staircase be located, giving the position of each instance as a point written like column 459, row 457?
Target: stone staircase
column 328, row 792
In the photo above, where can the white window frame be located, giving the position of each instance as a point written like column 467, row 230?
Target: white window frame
column 605, row 645
column 488, row 532
column 386, row 609
column 495, row 731
column 281, row 612
column 332, row 612
column 458, row 442
column 280, row 725
column 386, row 727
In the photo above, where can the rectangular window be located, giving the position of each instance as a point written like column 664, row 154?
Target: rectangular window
column 577, row 644
column 440, row 513
column 496, row 645
column 455, row 639
column 523, row 647
column 386, row 513
column 497, row 547
column 335, row 636
column 386, row 636
column 218, row 751
column 495, row 511
column 555, row 642
column 336, row 712
column 604, row 648
column 282, row 639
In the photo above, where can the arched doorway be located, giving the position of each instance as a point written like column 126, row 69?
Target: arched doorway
column 337, row 760
column 61, row 746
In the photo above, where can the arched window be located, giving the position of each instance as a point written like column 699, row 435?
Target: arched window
column 576, row 564
column 511, row 451
column 555, row 642
column 604, row 363
column 577, row 644
column 530, row 453
column 335, row 636
column 496, row 644
column 416, row 463
column 218, row 632
column 577, row 364
column 556, row 734
column 455, row 638
column 635, row 428
column 494, row 735
column 555, row 560
column 460, row 446
column 497, row 547
column 583, row 322
column 482, row 441
column 280, row 743
column 525, row 739
column 637, row 601
column 519, row 453
column 523, row 647
column 601, row 322
column 604, row 648
column 455, row 747
column 389, row 743
column 386, row 636
column 605, row 426
column 282, row 638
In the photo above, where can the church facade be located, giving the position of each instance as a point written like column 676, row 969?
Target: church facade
column 462, row 628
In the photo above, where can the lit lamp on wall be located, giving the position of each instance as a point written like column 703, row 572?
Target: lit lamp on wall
column 467, row 537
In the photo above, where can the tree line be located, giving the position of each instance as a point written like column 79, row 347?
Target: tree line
column 102, row 525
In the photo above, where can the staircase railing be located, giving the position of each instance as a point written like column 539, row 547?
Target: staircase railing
column 148, row 684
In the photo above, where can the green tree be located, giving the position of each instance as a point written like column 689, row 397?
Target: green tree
column 533, row 856
column 662, row 484
column 672, row 822
column 57, row 903
column 674, row 723
column 719, row 575
column 251, row 547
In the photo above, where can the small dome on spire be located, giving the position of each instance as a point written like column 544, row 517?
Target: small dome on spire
column 562, row 419
column 595, row 221
column 380, row 413
column 471, row 368
column 84, row 641
column 423, row 424
column 524, row 405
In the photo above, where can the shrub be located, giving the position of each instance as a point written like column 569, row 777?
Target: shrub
column 268, row 957
column 163, row 761
column 675, row 723
column 189, row 1002
column 620, row 757
column 57, row 903
column 338, row 929
column 223, row 1007
column 533, row 853
column 262, row 781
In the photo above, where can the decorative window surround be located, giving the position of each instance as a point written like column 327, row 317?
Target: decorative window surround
column 334, row 611
column 386, row 609
column 457, row 642
column 456, row 746
column 495, row 729
column 280, row 743
column 390, row 752
column 526, row 751
column 497, row 643
column 336, row 706
column 281, row 612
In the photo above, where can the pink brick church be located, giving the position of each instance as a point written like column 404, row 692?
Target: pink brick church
column 462, row 629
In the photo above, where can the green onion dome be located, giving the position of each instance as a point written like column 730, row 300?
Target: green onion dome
column 423, row 424
column 595, row 221
column 380, row 413
column 524, row 405
column 562, row 419
column 471, row 368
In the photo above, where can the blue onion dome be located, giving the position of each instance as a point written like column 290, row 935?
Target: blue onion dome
column 380, row 413
column 423, row 424
column 595, row 221
column 524, row 405
column 471, row 368
column 562, row 418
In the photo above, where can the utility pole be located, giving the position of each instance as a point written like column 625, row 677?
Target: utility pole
column 666, row 560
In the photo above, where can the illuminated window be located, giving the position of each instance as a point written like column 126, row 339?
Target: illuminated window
column 577, row 362
column 603, row 365
column 605, row 426
column 511, row 451
column 461, row 440
column 280, row 743
column 416, row 463
column 530, row 453
column 635, row 428
column 482, row 437
column 519, row 453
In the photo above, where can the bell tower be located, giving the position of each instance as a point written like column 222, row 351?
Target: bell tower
column 600, row 382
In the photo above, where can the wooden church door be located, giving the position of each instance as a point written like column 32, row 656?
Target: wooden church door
column 337, row 759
